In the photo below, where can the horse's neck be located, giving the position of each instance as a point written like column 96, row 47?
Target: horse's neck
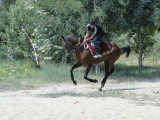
column 73, row 40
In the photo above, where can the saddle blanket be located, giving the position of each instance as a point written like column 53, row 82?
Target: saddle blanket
column 105, row 48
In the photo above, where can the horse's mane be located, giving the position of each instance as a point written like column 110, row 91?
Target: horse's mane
column 72, row 36
column 81, row 38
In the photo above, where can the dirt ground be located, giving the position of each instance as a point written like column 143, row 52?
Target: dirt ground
column 118, row 101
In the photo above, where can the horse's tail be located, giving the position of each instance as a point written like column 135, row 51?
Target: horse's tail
column 126, row 49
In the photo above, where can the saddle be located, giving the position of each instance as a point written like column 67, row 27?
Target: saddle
column 105, row 48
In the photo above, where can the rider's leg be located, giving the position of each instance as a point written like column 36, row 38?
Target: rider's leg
column 97, row 44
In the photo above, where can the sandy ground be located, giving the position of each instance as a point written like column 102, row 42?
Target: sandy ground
column 118, row 101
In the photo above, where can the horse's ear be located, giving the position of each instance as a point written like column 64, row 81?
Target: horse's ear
column 62, row 38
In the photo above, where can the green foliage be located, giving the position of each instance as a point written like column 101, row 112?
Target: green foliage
column 157, row 39
column 109, row 14
column 143, row 14
column 6, row 4
column 57, row 18
column 10, row 69
column 123, row 39
column 46, row 20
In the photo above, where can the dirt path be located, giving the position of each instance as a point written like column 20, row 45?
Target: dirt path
column 118, row 101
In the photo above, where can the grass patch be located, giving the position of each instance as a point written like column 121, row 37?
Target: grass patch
column 22, row 74
column 128, row 67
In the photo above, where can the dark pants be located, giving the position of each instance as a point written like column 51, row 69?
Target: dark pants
column 97, row 43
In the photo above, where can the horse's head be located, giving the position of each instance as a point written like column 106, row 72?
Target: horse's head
column 67, row 45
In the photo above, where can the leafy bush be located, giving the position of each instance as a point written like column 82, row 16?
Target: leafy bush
column 46, row 20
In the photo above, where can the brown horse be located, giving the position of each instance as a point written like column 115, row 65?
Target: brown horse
column 85, row 58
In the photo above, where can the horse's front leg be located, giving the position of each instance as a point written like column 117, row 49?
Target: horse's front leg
column 86, row 73
column 71, row 71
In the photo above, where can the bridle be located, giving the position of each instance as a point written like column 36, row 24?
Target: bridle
column 74, row 47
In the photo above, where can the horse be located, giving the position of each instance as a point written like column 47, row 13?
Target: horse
column 85, row 58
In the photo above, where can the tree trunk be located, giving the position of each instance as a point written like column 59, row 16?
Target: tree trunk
column 153, row 57
column 139, row 49
column 64, row 60
column 156, row 59
column 96, row 69
column 141, row 60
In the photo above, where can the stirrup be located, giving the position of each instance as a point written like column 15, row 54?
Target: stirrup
column 97, row 56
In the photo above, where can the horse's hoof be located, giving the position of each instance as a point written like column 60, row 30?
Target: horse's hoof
column 75, row 82
column 95, row 80
column 100, row 89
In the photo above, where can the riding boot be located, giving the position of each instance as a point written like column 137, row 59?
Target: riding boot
column 97, row 49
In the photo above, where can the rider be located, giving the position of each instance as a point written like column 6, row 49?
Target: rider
column 96, row 37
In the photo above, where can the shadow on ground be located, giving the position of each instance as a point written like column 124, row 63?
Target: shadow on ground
column 93, row 94
column 140, row 100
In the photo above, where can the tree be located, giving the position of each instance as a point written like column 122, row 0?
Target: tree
column 141, row 17
column 45, row 21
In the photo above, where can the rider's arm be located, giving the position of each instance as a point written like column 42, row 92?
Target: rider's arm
column 85, row 37
column 87, row 40
column 87, row 34
column 91, row 37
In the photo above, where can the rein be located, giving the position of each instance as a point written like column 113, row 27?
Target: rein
column 75, row 48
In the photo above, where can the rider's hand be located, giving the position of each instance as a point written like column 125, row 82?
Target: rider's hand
column 85, row 40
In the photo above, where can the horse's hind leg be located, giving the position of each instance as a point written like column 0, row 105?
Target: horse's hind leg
column 86, row 73
column 109, row 69
column 106, row 63
column 71, row 71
